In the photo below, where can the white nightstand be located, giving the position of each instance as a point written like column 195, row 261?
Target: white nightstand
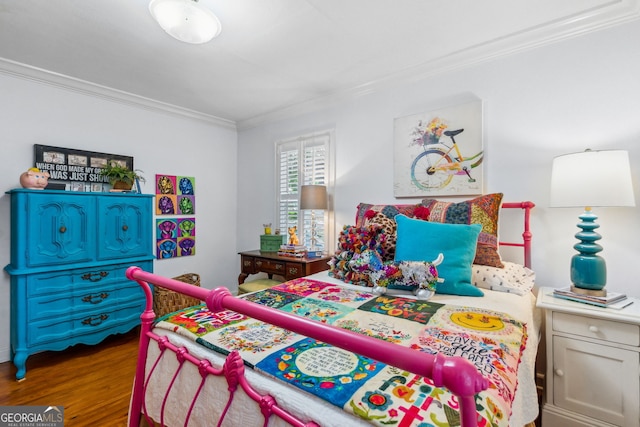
column 593, row 364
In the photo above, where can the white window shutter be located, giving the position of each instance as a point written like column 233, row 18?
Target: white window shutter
column 302, row 161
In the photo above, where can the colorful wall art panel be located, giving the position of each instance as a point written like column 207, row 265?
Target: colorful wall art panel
column 167, row 229
column 175, row 196
column 186, row 205
column 187, row 227
column 186, row 185
column 166, row 204
column 165, row 184
column 175, row 237
column 166, row 238
column 187, row 237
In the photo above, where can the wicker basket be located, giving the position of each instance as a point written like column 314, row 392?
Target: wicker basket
column 166, row 301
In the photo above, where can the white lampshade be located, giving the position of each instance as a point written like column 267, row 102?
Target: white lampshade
column 313, row 197
column 185, row 20
column 592, row 178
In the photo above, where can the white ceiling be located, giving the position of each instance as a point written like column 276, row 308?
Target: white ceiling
column 277, row 55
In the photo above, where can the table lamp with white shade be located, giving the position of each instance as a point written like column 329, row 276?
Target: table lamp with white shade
column 587, row 179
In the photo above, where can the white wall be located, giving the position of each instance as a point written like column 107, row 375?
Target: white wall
column 561, row 98
column 576, row 94
column 36, row 113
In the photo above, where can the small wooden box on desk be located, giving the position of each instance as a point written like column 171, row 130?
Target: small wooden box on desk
column 254, row 262
column 593, row 363
column 271, row 242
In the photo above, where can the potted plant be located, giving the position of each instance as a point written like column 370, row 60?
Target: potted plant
column 121, row 177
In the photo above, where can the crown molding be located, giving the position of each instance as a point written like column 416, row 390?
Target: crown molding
column 41, row 76
column 609, row 14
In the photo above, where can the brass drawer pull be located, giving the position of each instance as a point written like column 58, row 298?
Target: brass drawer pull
column 62, row 229
column 95, row 321
column 125, row 227
column 95, row 277
column 95, row 298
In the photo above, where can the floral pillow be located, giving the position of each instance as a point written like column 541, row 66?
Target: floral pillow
column 389, row 211
column 352, row 242
column 482, row 210
column 384, row 216
column 388, row 228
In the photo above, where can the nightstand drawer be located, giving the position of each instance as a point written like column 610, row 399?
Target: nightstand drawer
column 600, row 329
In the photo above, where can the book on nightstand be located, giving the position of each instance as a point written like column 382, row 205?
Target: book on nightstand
column 611, row 300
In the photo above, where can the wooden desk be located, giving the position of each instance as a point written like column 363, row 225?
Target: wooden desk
column 253, row 262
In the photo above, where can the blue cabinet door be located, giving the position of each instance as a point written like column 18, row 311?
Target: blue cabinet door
column 124, row 227
column 60, row 229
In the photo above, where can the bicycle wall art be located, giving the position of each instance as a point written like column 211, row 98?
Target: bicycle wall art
column 439, row 153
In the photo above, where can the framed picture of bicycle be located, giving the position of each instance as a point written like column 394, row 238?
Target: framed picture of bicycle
column 439, row 153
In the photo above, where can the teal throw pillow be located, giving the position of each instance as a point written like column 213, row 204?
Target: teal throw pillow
column 420, row 240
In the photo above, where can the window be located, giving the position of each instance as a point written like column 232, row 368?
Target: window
column 303, row 161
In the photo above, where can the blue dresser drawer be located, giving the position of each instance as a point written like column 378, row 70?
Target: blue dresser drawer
column 84, row 301
column 78, row 280
column 89, row 327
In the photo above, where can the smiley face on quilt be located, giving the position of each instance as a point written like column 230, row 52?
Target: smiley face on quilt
column 477, row 321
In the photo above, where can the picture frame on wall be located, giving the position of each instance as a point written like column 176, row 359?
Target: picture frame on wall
column 440, row 152
column 69, row 167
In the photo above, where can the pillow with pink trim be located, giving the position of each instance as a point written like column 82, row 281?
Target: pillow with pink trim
column 367, row 210
column 483, row 210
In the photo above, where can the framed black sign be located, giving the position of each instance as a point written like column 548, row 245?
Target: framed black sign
column 76, row 166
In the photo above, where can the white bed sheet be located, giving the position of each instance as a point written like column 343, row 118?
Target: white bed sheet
column 304, row 405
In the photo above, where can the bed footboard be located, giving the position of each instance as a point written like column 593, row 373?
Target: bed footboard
column 455, row 373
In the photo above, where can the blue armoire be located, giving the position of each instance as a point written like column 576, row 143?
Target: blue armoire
column 69, row 254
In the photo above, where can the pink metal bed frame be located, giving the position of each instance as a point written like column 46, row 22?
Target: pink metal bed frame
column 455, row 373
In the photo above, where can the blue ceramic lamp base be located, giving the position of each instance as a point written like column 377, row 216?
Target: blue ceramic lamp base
column 588, row 270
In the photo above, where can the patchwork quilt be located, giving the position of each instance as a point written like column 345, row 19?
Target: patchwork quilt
column 371, row 390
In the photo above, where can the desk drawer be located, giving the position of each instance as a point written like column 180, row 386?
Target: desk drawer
column 270, row 266
column 248, row 265
column 600, row 329
column 294, row 270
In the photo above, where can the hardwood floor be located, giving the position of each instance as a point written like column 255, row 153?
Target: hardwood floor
column 92, row 383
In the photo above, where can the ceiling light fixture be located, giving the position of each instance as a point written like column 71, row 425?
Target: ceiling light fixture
column 185, row 20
